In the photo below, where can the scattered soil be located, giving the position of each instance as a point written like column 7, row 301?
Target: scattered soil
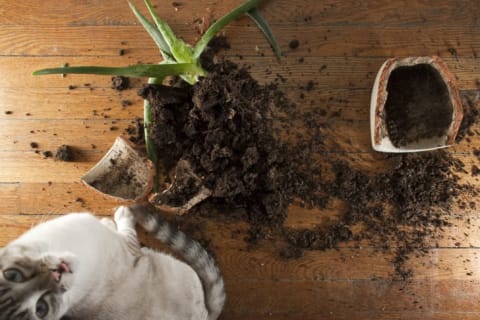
column 234, row 133
column 47, row 154
column 418, row 105
column 470, row 114
column 294, row 44
column 64, row 153
column 120, row 83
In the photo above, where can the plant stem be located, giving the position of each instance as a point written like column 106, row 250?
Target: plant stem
column 149, row 144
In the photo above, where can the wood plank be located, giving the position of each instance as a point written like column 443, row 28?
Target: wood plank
column 340, row 72
column 86, row 136
column 361, row 41
column 97, row 135
column 343, row 299
column 49, row 197
column 32, row 167
column 330, row 12
column 87, row 102
column 83, row 102
column 358, row 315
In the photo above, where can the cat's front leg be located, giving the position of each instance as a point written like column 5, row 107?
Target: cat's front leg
column 125, row 222
column 109, row 223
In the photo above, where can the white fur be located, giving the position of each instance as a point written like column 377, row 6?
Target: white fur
column 112, row 278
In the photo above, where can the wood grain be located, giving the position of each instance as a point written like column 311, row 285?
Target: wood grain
column 342, row 46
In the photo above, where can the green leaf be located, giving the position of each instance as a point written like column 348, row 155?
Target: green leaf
column 139, row 70
column 262, row 24
column 153, row 32
column 178, row 48
column 220, row 23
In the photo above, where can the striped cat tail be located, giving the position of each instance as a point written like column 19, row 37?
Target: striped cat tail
column 193, row 254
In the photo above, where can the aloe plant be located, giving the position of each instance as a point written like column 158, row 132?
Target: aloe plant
column 179, row 58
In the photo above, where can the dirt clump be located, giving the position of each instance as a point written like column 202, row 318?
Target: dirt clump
column 64, row 153
column 120, row 83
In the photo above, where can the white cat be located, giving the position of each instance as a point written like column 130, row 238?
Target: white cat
column 79, row 267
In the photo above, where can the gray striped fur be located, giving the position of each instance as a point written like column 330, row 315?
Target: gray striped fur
column 193, row 254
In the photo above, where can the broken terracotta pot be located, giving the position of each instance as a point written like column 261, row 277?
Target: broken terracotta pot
column 186, row 191
column 415, row 106
column 125, row 175
column 122, row 173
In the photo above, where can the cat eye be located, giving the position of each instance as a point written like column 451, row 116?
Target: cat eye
column 13, row 275
column 41, row 308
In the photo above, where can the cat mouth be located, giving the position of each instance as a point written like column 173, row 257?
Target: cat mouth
column 62, row 268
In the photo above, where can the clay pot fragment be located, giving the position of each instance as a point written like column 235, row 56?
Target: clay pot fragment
column 186, row 191
column 415, row 106
column 122, row 173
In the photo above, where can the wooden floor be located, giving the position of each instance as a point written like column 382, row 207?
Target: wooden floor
column 342, row 45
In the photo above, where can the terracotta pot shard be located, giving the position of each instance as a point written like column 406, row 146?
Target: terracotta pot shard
column 122, row 173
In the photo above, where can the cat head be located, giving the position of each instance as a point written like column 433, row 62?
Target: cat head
column 32, row 285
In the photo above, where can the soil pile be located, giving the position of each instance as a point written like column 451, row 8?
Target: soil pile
column 223, row 128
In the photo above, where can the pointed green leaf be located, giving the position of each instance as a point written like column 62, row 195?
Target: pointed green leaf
column 153, row 32
column 139, row 70
column 262, row 24
column 220, row 23
column 178, row 48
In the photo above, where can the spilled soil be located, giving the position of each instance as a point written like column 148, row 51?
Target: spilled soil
column 243, row 139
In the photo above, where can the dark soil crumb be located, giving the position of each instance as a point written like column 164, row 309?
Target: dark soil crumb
column 33, row 145
column 8, row 112
column 72, row 87
column 418, row 105
column 233, row 132
column 126, row 103
column 47, row 154
column 64, row 153
column 120, row 83
column 475, row 170
column 121, row 52
column 294, row 44
column 136, row 132
column 291, row 252
column 80, row 201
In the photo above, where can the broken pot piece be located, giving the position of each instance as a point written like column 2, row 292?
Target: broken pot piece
column 415, row 106
column 122, row 173
column 186, row 190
